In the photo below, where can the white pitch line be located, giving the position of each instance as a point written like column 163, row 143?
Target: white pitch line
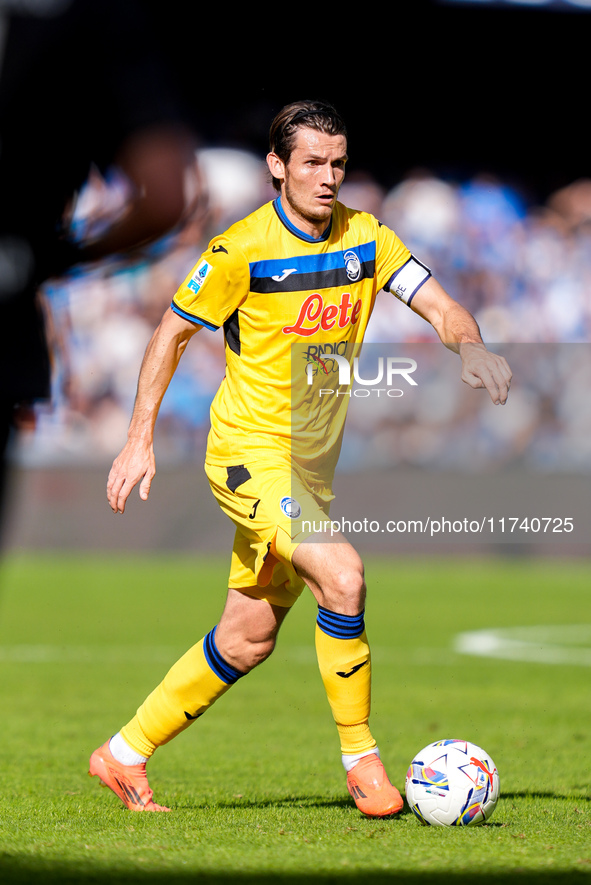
column 115, row 654
column 553, row 644
column 80, row 654
column 548, row 644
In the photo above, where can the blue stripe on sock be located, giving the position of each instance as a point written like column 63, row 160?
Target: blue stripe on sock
column 225, row 671
column 340, row 626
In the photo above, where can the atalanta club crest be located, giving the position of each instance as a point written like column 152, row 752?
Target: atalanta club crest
column 290, row 507
column 352, row 266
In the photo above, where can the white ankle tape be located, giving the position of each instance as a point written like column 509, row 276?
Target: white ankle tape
column 350, row 762
column 123, row 753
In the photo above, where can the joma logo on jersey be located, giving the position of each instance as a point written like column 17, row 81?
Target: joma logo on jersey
column 315, row 315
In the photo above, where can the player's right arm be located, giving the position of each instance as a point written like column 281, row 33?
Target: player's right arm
column 135, row 463
column 208, row 296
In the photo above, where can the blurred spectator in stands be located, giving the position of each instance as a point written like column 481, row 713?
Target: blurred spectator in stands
column 361, row 191
column 81, row 88
column 573, row 204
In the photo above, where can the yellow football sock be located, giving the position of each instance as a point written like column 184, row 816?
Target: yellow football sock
column 189, row 688
column 344, row 660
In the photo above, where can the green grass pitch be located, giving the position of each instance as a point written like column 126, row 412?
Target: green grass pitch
column 256, row 786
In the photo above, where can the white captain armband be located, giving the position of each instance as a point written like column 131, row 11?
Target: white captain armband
column 408, row 280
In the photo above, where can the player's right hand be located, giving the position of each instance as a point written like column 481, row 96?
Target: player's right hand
column 134, row 464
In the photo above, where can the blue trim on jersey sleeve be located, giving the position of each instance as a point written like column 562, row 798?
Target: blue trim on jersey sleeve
column 192, row 319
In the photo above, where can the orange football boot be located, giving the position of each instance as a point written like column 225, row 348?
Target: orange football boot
column 373, row 793
column 128, row 782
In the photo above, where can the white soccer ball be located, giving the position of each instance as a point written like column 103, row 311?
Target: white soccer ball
column 452, row 784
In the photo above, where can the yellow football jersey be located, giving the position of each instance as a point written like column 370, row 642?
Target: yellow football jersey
column 288, row 304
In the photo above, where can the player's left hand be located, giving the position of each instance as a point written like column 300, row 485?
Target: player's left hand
column 481, row 368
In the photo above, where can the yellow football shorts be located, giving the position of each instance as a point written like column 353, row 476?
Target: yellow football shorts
column 274, row 508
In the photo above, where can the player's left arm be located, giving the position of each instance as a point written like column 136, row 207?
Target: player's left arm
column 459, row 331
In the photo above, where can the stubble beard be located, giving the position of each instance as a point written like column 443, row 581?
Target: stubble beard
column 310, row 214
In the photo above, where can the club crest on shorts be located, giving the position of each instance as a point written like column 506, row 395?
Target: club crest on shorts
column 290, row 507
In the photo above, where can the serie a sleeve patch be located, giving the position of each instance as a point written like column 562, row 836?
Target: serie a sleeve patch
column 408, row 279
column 199, row 275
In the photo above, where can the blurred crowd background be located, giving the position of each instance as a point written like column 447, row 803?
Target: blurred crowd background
column 523, row 270
column 480, row 165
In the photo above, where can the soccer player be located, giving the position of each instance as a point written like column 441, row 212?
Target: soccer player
column 303, row 268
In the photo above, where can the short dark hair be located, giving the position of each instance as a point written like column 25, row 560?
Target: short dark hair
column 319, row 115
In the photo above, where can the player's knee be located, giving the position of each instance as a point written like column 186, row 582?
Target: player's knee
column 345, row 589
